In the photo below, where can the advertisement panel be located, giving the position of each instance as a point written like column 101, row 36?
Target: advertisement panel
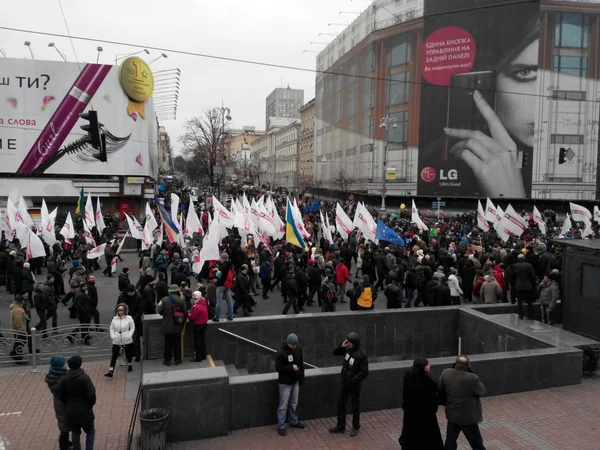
column 40, row 103
column 478, row 98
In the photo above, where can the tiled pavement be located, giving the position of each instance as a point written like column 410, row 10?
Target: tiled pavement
column 552, row 419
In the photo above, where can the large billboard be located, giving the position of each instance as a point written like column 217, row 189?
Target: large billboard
column 40, row 103
column 479, row 97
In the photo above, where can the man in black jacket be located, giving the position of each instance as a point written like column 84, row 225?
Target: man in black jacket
column 51, row 300
column 134, row 303
column 354, row 371
column 83, row 311
column 242, row 290
column 289, row 364
column 78, row 393
column 93, row 295
column 313, row 275
column 41, row 306
column 291, row 289
column 525, row 283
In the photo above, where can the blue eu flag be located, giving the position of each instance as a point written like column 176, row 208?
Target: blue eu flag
column 385, row 233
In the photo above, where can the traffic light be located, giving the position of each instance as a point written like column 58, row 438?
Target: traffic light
column 525, row 159
column 562, row 156
column 95, row 137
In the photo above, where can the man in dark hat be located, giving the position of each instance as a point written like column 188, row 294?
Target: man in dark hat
column 354, row 371
column 78, row 394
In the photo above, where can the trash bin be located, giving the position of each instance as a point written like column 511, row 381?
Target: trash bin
column 154, row 428
column 591, row 356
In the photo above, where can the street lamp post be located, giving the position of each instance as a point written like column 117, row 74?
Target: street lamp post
column 385, row 123
column 225, row 113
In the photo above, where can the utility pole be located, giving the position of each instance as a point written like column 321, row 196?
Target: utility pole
column 384, row 123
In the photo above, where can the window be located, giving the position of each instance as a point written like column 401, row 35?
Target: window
column 368, row 94
column 351, row 151
column 399, row 88
column 352, row 127
column 327, row 156
column 399, row 50
column 368, row 126
column 571, row 30
column 320, row 132
column 351, row 102
column 339, row 80
column 571, row 65
column 352, row 71
column 400, row 133
column 338, row 109
column 366, row 148
column 368, row 61
column 338, row 154
column 566, row 139
column 569, row 95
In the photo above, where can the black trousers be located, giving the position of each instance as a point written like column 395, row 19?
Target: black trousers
column 276, row 281
column 354, row 395
column 302, row 297
column 471, row 432
column 172, row 347
column 199, row 342
column 313, row 289
column 380, row 280
column 115, row 354
column 525, row 296
column 266, row 285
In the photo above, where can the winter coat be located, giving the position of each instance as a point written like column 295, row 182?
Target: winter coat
column 162, row 289
column 92, row 293
column 355, row 367
column 454, row 285
column 290, row 285
column 79, row 275
column 39, row 300
column 50, row 294
column 18, row 319
column 341, row 274
column 168, row 325
column 28, row 281
column 265, row 271
column 490, row 292
column 463, row 391
column 365, row 296
column 149, row 299
column 381, row 263
column 225, row 267
column 443, row 295
column 393, row 294
column 313, row 274
column 134, row 306
column 438, row 275
column 199, row 312
column 60, row 409
column 78, row 393
column 477, row 286
column 83, row 306
column 524, row 276
column 500, row 276
column 122, row 328
column 420, row 401
column 123, row 281
column 549, row 294
column 242, row 287
column 284, row 364
column 211, row 294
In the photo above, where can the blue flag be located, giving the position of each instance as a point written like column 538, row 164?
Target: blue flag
column 385, row 233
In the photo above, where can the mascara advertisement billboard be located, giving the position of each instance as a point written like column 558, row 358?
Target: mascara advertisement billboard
column 478, row 98
column 40, row 103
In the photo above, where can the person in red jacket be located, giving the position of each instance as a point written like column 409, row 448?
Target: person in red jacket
column 500, row 276
column 198, row 318
column 342, row 276
column 477, row 286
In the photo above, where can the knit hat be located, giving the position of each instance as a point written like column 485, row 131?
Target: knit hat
column 292, row 339
column 173, row 289
column 186, row 260
column 197, row 294
column 26, row 265
column 75, row 262
column 130, row 288
column 74, row 362
column 57, row 365
column 224, row 257
column 13, row 253
column 521, row 256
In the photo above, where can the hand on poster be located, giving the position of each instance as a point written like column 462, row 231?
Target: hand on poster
column 492, row 160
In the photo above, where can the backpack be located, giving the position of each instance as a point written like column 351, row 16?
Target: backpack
column 328, row 294
column 419, row 279
column 229, row 280
column 177, row 312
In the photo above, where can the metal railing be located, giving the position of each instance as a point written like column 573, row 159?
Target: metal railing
column 258, row 345
column 37, row 347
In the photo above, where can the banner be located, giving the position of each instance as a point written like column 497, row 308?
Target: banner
column 39, row 118
column 567, row 225
column 416, row 219
column 482, row 222
column 512, row 222
column 343, row 223
column 68, row 231
column 478, row 112
column 580, row 213
column 96, row 252
column 100, row 226
column 135, row 228
column 192, row 222
column 89, row 213
column 150, row 217
column 365, row 222
column 537, row 218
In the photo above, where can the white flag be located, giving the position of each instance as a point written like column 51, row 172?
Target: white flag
column 96, row 252
column 150, row 217
column 68, row 231
column 566, row 226
column 121, row 243
column 490, row 211
column 279, row 224
column 537, row 218
column 596, row 214
column 326, row 229
column 254, row 213
column 226, row 217
column 364, row 222
column 343, row 223
column 174, row 207
column 513, row 222
column 10, row 220
column 210, row 247
column 587, row 231
column 89, row 216
column 48, row 230
column 265, row 221
column 147, row 237
column 35, row 247
column 135, row 228
column 100, row 225
column 22, row 216
column 192, row 222
column 113, row 265
column 87, row 234
column 245, row 204
column 482, row 222
column 580, row 213
column 298, row 218
column 416, row 219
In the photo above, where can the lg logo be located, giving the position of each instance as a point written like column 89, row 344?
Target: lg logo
column 429, row 174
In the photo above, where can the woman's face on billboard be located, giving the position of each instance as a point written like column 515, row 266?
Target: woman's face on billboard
column 516, row 90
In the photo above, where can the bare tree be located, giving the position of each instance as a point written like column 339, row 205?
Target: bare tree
column 204, row 146
column 342, row 180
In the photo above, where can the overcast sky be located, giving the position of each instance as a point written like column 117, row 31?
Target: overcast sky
column 275, row 31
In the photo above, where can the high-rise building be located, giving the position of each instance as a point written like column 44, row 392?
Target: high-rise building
column 284, row 103
column 307, row 144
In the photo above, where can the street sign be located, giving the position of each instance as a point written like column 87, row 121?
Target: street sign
column 437, row 205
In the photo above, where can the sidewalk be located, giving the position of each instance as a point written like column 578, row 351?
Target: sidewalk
column 27, row 419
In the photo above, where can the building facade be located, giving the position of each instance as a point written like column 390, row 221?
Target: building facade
column 239, row 143
column 284, row 103
column 164, row 150
column 404, row 72
column 287, row 144
column 307, row 145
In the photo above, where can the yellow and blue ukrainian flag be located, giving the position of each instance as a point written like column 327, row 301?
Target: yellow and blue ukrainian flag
column 292, row 235
column 80, row 202
column 170, row 227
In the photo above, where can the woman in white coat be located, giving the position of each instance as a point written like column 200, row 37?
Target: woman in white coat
column 454, row 285
column 122, row 328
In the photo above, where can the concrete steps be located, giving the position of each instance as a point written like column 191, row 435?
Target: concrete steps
column 231, row 369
